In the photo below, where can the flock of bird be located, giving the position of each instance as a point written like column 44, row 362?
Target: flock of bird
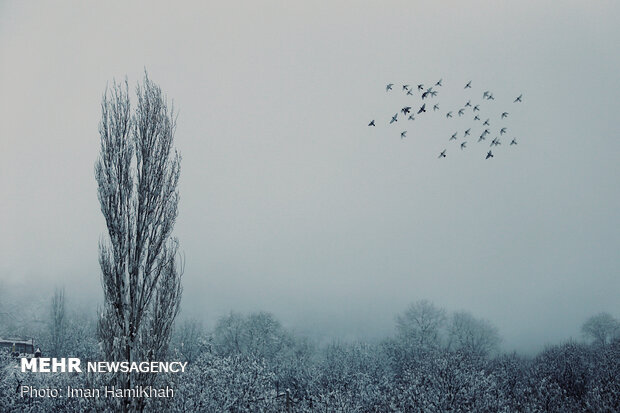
column 473, row 110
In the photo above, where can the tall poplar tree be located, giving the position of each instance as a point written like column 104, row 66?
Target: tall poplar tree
column 137, row 175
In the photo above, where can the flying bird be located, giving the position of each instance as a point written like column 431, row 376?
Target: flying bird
column 502, row 131
column 422, row 109
column 485, row 94
column 486, row 132
column 495, row 142
column 394, row 118
column 405, row 87
column 468, row 85
column 403, row 134
column 513, row 142
column 477, row 108
column 504, row 115
column 476, row 117
column 420, row 86
column 490, row 97
column 463, row 145
column 438, row 82
column 389, row 87
column 406, row 110
column 489, row 155
column 518, row 99
column 481, row 138
column 434, row 93
column 442, row 154
column 468, row 103
column 425, row 95
column 461, row 111
column 486, row 123
column 467, row 132
column 435, row 107
column 449, row 114
column 409, row 92
column 372, row 123
column 453, row 137
column 411, row 117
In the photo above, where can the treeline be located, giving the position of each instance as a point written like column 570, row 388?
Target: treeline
column 436, row 362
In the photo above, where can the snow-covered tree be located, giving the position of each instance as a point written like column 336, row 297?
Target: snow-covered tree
column 229, row 334
column 137, row 175
column 601, row 328
column 473, row 335
column 190, row 339
column 234, row 383
column 420, row 325
column 58, row 323
column 258, row 334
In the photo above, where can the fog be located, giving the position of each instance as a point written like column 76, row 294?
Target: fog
column 290, row 203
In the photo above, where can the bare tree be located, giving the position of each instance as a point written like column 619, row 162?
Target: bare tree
column 258, row 334
column 190, row 339
column 137, row 175
column 601, row 328
column 473, row 335
column 265, row 336
column 58, row 322
column 5, row 316
column 229, row 334
column 420, row 325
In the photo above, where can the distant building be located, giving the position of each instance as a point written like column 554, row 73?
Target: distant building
column 18, row 347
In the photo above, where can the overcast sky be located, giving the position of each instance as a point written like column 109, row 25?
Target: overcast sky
column 290, row 203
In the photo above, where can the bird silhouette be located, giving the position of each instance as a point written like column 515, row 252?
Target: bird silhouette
column 430, row 92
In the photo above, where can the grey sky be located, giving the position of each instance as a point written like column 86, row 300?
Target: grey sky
column 289, row 202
